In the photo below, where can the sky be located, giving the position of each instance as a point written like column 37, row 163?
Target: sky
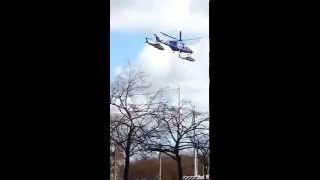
column 131, row 21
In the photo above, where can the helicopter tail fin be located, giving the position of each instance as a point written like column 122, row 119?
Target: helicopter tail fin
column 157, row 38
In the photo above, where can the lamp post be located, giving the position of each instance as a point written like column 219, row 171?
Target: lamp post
column 159, row 165
column 160, row 170
column 195, row 148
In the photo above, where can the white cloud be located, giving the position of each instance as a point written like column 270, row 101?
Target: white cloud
column 165, row 15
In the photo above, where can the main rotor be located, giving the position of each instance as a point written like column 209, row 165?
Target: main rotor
column 180, row 37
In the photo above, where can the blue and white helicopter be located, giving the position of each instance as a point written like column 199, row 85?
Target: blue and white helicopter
column 175, row 45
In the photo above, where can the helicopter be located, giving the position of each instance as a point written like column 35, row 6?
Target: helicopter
column 175, row 45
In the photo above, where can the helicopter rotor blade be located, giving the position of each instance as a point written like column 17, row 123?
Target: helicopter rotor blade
column 192, row 39
column 168, row 35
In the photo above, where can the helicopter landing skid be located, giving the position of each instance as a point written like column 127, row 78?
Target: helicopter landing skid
column 188, row 58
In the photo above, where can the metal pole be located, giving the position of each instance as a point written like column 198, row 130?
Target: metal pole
column 159, row 165
column 196, row 163
column 160, row 140
column 195, row 149
column 179, row 101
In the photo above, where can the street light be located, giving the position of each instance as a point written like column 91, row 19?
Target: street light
column 195, row 149
column 160, row 172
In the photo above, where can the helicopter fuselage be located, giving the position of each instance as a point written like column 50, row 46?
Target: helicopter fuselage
column 174, row 45
column 178, row 46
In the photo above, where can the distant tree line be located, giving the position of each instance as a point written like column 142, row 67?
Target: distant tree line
column 149, row 168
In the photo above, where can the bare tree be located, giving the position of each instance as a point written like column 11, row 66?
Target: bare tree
column 175, row 129
column 134, row 103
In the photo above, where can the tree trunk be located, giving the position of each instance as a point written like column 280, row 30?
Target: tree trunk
column 180, row 173
column 127, row 159
column 126, row 167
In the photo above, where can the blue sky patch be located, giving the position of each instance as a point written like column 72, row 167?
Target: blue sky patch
column 124, row 47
